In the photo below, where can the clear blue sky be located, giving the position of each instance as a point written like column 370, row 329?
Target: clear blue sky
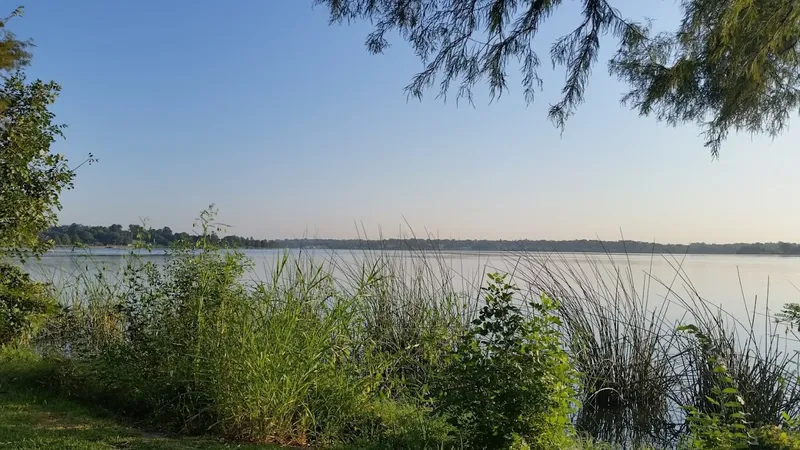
column 291, row 128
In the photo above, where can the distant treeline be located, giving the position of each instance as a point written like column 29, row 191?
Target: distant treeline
column 116, row 235
column 574, row 246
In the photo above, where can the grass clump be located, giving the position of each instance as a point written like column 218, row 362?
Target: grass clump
column 413, row 311
column 621, row 345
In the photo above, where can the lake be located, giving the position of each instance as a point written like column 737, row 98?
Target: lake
column 716, row 278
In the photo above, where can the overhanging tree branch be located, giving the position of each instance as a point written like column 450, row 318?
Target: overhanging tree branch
column 730, row 65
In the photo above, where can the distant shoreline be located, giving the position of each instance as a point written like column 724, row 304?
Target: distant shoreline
column 377, row 247
column 119, row 237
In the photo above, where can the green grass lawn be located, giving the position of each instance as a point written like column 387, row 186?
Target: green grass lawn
column 29, row 421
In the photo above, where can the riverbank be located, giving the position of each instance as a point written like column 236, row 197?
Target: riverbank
column 393, row 353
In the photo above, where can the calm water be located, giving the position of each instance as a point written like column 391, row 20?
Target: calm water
column 772, row 280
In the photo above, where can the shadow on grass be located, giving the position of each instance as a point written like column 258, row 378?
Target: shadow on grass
column 33, row 422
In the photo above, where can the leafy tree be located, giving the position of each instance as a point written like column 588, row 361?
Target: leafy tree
column 730, row 65
column 115, row 235
column 31, row 177
column 167, row 233
column 135, row 230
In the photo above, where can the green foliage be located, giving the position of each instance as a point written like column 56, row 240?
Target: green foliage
column 774, row 438
column 385, row 355
column 36, row 420
column 708, row 432
column 191, row 345
column 790, row 314
column 411, row 317
column 14, row 53
column 31, row 177
column 509, row 380
column 404, row 426
column 726, row 426
column 115, row 235
column 24, row 304
column 730, row 65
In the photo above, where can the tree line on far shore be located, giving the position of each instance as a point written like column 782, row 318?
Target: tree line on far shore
column 116, row 235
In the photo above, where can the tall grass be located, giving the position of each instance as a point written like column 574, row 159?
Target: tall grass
column 412, row 310
column 301, row 357
column 638, row 371
column 620, row 343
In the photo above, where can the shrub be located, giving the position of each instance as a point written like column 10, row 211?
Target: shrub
column 24, row 304
column 405, row 426
column 509, row 384
column 21, row 367
column 774, row 438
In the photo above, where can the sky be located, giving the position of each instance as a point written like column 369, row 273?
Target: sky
column 291, row 128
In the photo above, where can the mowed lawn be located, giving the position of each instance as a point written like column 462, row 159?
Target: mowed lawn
column 29, row 421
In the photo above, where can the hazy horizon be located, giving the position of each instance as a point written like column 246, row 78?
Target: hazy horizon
column 309, row 134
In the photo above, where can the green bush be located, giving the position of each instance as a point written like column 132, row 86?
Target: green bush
column 24, row 304
column 21, row 367
column 404, row 426
column 774, row 438
column 509, row 383
column 768, row 437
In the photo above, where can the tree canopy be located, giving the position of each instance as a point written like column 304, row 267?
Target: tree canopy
column 116, row 235
column 730, row 65
column 31, row 176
